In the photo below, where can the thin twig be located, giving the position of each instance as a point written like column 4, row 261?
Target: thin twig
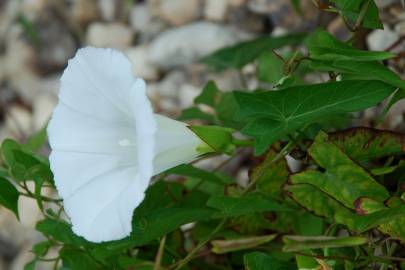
column 191, row 254
column 159, row 254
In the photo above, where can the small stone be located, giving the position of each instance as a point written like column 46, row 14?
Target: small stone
column 186, row 44
column 84, row 11
column 338, row 29
column 250, row 21
column 379, row 40
column 169, row 106
column 236, row 3
column 17, row 63
column 114, row 35
column 43, row 106
column 107, row 9
column 400, row 28
column 57, row 43
column 2, row 69
column 215, row 10
column 142, row 67
column 18, row 121
column 385, row 3
column 171, row 83
column 227, row 80
column 187, row 94
column 282, row 12
column 178, row 12
column 140, row 17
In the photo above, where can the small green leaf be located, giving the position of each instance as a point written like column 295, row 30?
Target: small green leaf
column 154, row 225
column 323, row 46
column 233, row 206
column 3, row 172
column 40, row 249
column 209, row 95
column 30, row 265
column 263, row 261
column 7, row 148
column 191, row 171
column 352, row 10
column 362, row 70
column 76, row 259
column 230, row 245
column 9, row 196
column 306, row 262
column 397, row 96
column 60, row 231
column 37, row 140
column 135, row 263
column 270, row 68
column 195, row 113
column 239, row 55
column 383, row 170
column 275, row 114
column 269, row 176
column 300, row 243
column 227, row 111
column 218, row 138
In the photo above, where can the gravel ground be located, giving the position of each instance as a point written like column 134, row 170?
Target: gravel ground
column 164, row 39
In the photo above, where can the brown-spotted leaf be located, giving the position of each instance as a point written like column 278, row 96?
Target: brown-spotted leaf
column 367, row 143
column 343, row 179
column 269, row 175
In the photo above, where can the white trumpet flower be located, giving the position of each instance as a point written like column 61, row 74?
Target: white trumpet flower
column 107, row 143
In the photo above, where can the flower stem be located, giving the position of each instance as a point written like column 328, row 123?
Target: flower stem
column 242, row 143
column 191, row 254
column 279, row 156
column 159, row 254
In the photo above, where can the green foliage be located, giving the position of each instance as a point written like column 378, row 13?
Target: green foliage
column 241, row 54
column 362, row 144
column 218, row 139
column 230, row 245
column 233, row 206
column 276, row 114
column 263, row 261
column 270, row 68
column 9, row 195
column 300, row 243
column 323, row 46
column 367, row 9
column 339, row 203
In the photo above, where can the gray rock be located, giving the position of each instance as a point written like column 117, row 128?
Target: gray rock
column 107, row 9
column 184, row 45
column 18, row 121
column 385, row 3
column 400, row 28
column 142, row 67
column 216, row 10
column 187, row 94
column 140, row 17
column 43, row 106
column 170, row 86
column 379, row 40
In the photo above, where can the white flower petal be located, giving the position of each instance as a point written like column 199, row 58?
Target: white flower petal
column 102, row 140
column 103, row 135
column 175, row 144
